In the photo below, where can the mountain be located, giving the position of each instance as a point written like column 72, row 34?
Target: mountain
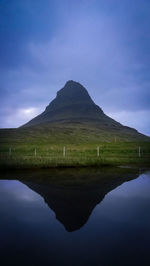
column 72, row 104
column 73, row 109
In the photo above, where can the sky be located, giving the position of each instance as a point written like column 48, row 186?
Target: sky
column 103, row 44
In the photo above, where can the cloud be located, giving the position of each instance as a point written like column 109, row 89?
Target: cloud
column 86, row 48
column 91, row 50
column 17, row 117
column 136, row 119
column 104, row 47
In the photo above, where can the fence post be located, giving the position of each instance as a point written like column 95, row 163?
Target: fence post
column 64, row 151
column 98, row 151
column 9, row 151
column 35, row 152
column 139, row 151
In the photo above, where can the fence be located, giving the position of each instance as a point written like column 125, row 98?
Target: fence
column 64, row 152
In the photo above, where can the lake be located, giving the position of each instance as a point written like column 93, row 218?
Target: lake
column 91, row 216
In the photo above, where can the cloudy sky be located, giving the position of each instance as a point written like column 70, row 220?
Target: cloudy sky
column 103, row 44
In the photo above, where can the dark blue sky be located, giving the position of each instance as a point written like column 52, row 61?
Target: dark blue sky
column 103, row 44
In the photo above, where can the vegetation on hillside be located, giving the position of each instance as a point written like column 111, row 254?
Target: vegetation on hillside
column 71, row 145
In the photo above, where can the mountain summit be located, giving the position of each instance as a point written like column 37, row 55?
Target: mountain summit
column 73, row 94
column 72, row 104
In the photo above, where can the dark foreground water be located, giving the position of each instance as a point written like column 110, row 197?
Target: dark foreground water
column 75, row 217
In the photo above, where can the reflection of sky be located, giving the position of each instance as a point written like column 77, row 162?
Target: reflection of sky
column 130, row 198
column 139, row 187
column 118, row 225
column 128, row 204
column 17, row 191
column 21, row 204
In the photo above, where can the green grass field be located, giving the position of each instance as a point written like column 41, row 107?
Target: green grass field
column 43, row 147
column 45, row 155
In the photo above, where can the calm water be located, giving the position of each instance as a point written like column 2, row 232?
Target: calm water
column 88, row 217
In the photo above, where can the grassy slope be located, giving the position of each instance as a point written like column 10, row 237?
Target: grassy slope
column 81, row 141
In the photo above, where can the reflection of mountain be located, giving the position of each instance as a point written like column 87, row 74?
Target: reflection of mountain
column 73, row 202
column 72, row 206
column 73, row 193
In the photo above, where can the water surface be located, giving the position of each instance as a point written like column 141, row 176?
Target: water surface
column 75, row 217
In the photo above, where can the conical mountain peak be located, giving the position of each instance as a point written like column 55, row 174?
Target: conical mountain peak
column 74, row 105
column 74, row 92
